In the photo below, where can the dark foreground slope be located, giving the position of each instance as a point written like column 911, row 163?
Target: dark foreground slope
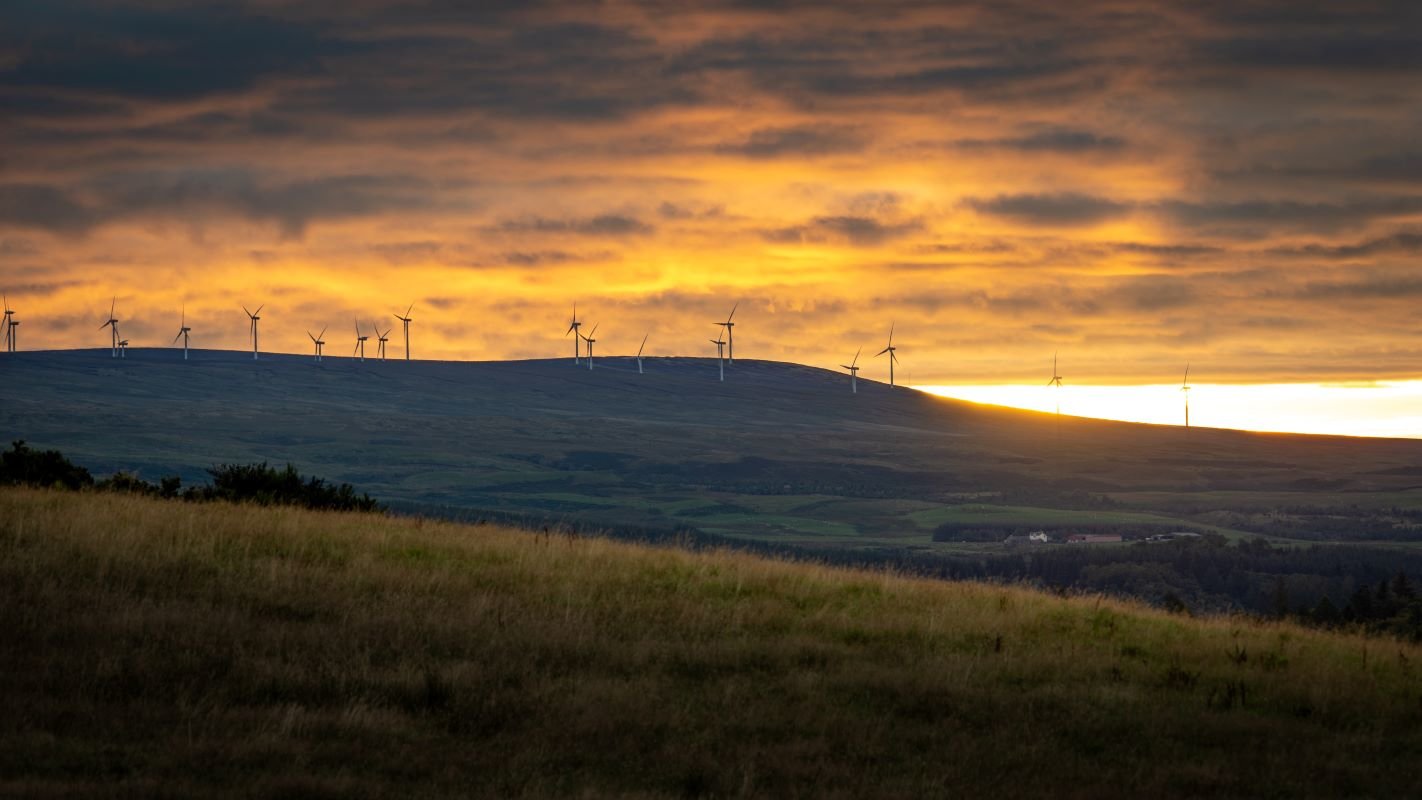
column 165, row 649
column 778, row 450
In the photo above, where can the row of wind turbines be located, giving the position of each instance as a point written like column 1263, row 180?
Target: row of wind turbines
column 724, row 342
column 119, row 345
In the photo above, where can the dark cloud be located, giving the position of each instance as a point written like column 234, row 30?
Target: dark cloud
column 800, row 141
column 673, row 211
column 1396, row 244
column 538, row 258
column 1056, row 140
column 144, row 51
column 405, row 252
column 1403, row 287
column 610, row 225
column 1153, row 293
column 856, row 231
column 1257, row 217
column 1333, row 51
column 43, row 207
column 1064, row 209
column 189, row 195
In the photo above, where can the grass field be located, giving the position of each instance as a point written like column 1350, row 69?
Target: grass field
column 168, row 649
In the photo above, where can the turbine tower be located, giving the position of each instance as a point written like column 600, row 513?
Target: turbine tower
column 112, row 325
column 893, row 357
column 1185, row 389
column 639, row 354
column 360, row 342
column 183, row 331
column 9, row 329
column 11, row 332
column 730, row 334
column 577, row 339
column 255, row 319
column 319, row 342
column 1057, row 382
column 381, row 339
column 590, row 340
column 406, row 320
column 720, row 354
column 853, row 368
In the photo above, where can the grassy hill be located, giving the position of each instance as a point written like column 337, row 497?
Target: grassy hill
column 778, row 453
column 168, row 649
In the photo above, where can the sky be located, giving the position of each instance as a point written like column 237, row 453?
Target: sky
column 1131, row 185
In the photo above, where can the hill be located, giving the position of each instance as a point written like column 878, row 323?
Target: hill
column 166, row 649
column 777, row 453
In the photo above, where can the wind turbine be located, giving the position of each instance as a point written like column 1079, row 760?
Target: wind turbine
column 590, row 341
column 255, row 319
column 639, row 354
column 381, row 339
column 1185, row 388
column 318, row 341
column 123, row 348
column 405, row 320
column 577, row 339
column 730, row 334
column 893, row 357
column 1056, row 381
column 112, row 324
column 360, row 342
column 720, row 355
column 853, row 368
column 183, row 330
column 9, row 329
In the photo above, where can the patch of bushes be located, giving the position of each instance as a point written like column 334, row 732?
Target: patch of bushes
column 261, row 483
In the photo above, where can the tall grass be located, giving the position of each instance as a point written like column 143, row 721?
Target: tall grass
column 163, row 649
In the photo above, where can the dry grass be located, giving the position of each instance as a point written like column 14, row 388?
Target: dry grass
column 156, row 648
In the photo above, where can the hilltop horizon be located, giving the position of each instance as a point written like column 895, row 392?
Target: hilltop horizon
column 967, row 392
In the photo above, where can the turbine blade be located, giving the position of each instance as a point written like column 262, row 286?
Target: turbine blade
column 313, row 338
column 408, row 310
column 1187, row 374
column 594, row 330
column 856, row 355
column 259, row 309
column 733, row 311
column 891, row 333
column 644, row 345
column 179, row 336
column 881, row 352
column 323, row 332
column 244, row 308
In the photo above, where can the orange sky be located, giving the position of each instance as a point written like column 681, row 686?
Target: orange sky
column 1134, row 185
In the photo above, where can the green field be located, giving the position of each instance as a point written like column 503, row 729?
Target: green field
column 159, row 648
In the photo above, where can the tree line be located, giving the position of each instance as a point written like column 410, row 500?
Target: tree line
column 260, row 483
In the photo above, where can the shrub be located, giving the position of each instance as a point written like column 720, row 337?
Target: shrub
column 45, row 468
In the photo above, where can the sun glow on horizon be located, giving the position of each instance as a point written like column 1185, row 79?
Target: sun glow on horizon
column 1371, row 408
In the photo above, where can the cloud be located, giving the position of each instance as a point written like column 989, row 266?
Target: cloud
column 537, row 258
column 855, row 230
column 163, row 53
column 608, row 225
column 188, row 194
column 800, row 141
column 1257, row 217
column 1063, row 209
column 1398, row 243
column 1055, row 140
